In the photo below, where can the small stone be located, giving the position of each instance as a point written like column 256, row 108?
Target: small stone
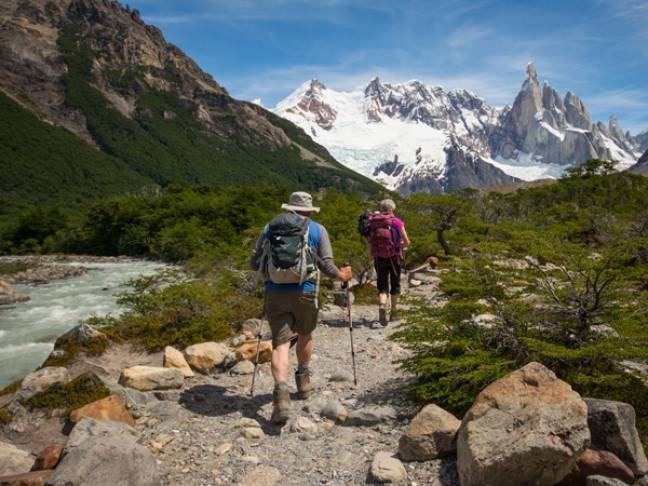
column 415, row 283
column 387, row 469
column 263, row 475
column 251, row 459
column 245, row 422
column 371, row 415
column 223, row 448
column 253, row 433
column 175, row 359
column 341, row 376
column 300, row 424
column 431, row 434
column 334, row 410
column 205, row 356
column 160, row 442
column 244, row 367
column 146, row 378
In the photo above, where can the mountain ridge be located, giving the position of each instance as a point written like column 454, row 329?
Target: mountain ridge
column 96, row 69
column 407, row 136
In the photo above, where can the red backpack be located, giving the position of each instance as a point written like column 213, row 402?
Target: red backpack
column 384, row 238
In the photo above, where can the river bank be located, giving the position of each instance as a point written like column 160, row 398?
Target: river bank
column 62, row 290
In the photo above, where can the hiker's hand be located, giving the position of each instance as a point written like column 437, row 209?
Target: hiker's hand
column 345, row 274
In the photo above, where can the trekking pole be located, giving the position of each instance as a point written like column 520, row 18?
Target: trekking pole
column 345, row 285
column 256, row 361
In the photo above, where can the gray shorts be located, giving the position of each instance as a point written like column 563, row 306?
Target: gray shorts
column 290, row 313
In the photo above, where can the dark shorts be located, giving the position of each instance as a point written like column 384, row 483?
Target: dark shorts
column 389, row 271
column 290, row 313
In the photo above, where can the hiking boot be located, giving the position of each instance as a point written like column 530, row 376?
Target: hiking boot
column 304, row 385
column 280, row 406
column 382, row 316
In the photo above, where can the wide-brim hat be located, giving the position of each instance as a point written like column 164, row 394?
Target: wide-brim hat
column 300, row 201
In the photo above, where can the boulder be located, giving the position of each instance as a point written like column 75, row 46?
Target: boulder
column 598, row 480
column 175, row 359
column 387, row 469
column 88, row 428
column 371, row 415
column 146, row 378
column 14, row 460
column 598, row 463
column 613, row 429
column 526, row 428
column 48, row 458
column 9, row 295
column 243, row 368
column 42, row 380
column 107, row 461
column 34, row 478
column 205, row 356
column 82, row 334
column 265, row 475
column 431, row 434
column 109, row 408
column 247, row 351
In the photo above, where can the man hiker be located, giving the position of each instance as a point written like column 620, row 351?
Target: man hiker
column 387, row 238
column 291, row 252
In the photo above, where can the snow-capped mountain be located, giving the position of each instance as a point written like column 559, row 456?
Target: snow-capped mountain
column 413, row 137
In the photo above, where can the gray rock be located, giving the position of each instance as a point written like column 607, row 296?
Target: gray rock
column 20, row 417
column 426, row 278
column 371, row 415
column 107, row 461
column 82, row 334
column 146, row 378
column 387, row 469
column 613, row 429
column 88, row 428
column 334, row 410
column 299, row 425
column 431, row 434
column 14, row 460
column 603, row 481
column 526, row 428
column 42, row 380
column 245, row 422
column 244, row 367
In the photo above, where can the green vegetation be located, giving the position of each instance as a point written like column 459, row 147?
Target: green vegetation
column 10, row 268
column 71, row 347
column 83, row 389
column 562, row 272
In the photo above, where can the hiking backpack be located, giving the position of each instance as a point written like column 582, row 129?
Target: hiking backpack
column 287, row 258
column 363, row 223
column 384, row 238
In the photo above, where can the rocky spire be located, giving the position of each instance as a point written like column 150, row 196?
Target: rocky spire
column 553, row 105
column 576, row 112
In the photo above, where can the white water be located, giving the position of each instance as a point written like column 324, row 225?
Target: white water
column 28, row 329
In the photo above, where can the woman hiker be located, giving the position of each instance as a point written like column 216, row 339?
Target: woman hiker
column 387, row 239
column 291, row 252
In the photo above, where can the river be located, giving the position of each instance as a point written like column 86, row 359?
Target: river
column 28, row 329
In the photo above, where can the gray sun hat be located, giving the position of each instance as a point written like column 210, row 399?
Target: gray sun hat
column 300, row 201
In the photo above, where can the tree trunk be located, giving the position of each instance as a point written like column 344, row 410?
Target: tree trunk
column 442, row 241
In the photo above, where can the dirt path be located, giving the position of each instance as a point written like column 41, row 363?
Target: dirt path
column 192, row 427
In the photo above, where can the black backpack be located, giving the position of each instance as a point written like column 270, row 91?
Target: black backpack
column 363, row 223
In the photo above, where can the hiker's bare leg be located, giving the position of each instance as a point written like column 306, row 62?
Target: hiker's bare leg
column 382, row 298
column 304, row 349
column 280, row 363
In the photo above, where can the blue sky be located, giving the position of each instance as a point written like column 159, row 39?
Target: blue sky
column 265, row 49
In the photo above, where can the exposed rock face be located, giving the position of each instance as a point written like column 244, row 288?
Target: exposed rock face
column 205, row 356
column 42, row 380
column 536, row 424
column 414, row 137
column 146, row 378
column 175, row 359
column 613, row 429
column 106, row 461
column 89, row 427
column 14, row 460
column 110, row 408
column 641, row 167
column 431, row 434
